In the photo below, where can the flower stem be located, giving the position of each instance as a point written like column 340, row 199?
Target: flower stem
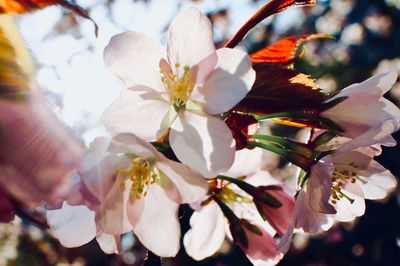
column 293, row 157
column 287, row 144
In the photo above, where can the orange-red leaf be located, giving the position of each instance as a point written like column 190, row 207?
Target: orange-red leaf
column 22, row 6
column 273, row 7
column 284, row 51
column 278, row 89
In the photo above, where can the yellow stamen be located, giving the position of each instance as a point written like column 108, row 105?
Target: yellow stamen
column 339, row 178
column 180, row 88
column 142, row 174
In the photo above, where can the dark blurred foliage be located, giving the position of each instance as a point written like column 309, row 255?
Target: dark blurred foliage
column 367, row 36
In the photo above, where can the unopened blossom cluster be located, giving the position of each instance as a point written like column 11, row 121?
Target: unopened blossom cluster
column 176, row 136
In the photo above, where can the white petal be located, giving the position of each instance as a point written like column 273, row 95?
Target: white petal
column 347, row 211
column 246, row 162
column 376, row 85
column 204, row 143
column 108, row 243
column 207, row 232
column 130, row 143
column 379, row 134
column 307, row 219
column 136, row 112
column 228, row 84
column 96, row 152
column 201, row 72
column 191, row 185
column 98, row 167
column 189, row 38
column 376, row 181
column 73, row 226
column 134, row 57
column 112, row 217
column 157, row 227
column 351, row 113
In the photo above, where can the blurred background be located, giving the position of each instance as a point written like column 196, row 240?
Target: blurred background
column 69, row 69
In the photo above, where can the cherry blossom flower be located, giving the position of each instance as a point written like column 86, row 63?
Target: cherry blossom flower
column 365, row 106
column 209, row 226
column 184, row 90
column 130, row 185
column 337, row 187
column 38, row 153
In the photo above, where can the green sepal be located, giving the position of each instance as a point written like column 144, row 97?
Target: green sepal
column 332, row 126
column 290, row 156
column 258, row 194
column 251, row 227
column 235, row 224
column 323, row 139
column 330, row 104
column 287, row 144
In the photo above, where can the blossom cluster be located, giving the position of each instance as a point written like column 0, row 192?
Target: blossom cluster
column 185, row 130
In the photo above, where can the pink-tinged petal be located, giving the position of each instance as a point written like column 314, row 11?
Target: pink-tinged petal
column 286, row 240
column 207, row 232
column 228, row 84
column 355, row 119
column 377, row 85
column 351, row 113
column 319, row 186
column 376, row 181
column 261, row 247
column 190, row 185
column 7, row 209
column 379, row 134
column 111, row 216
column 157, row 225
column 309, row 220
column 109, row 244
column 134, row 57
column 190, row 38
column 137, row 112
column 98, row 168
column 204, row 143
column 201, row 72
column 279, row 218
column 346, row 210
column 246, row 162
column 38, row 153
column 73, row 226
column 347, row 159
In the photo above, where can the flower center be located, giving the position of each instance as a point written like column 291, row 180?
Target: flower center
column 142, row 174
column 179, row 88
column 339, row 178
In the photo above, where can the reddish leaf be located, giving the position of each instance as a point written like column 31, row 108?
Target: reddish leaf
column 273, row 7
column 22, row 6
column 279, row 89
column 285, row 50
